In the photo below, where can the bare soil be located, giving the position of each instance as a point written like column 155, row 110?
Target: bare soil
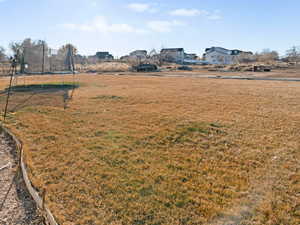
column 16, row 205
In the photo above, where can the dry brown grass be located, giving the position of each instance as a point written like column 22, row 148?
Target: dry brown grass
column 155, row 150
column 104, row 67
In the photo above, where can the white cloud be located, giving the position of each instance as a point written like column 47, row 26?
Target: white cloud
column 100, row 24
column 142, row 7
column 163, row 26
column 139, row 7
column 188, row 12
column 215, row 15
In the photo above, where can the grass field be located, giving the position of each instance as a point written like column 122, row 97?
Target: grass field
column 158, row 150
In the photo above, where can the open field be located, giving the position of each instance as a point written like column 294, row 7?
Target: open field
column 162, row 150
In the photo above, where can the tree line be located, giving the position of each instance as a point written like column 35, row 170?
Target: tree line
column 18, row 49
column 292, row 56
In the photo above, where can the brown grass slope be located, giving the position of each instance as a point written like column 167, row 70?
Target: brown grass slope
column 144, row 150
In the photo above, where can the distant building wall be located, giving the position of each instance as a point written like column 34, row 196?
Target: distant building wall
column 219, row 58
column 173, row 55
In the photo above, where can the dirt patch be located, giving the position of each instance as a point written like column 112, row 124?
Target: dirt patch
column 16, row 205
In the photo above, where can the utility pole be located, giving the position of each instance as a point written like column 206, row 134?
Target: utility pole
column 72, row 61
column 22, row 58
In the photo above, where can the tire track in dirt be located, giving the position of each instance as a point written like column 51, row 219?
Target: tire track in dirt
column 16, row 205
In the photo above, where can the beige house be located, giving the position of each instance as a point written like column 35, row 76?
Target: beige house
column 222, row 56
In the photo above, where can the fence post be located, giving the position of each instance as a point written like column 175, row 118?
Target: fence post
column 69, row 55
column 43, row 63
column 50, row 60
column 13, row 70
column 22, row 63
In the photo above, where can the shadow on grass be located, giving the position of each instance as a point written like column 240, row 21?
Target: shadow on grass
column 48, row 94
column 48, row 87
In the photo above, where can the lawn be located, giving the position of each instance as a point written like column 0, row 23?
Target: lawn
column 156, row 150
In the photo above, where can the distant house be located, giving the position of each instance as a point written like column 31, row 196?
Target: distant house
column 104, row 56
column 141, row 54
column 218, row 55
column 175, row 55
column 188, row 56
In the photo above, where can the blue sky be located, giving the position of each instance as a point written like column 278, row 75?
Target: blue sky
column 121, row 26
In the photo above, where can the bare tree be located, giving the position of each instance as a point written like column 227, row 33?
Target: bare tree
column 152, row 53
column 17, row 49
column 69, row 51
column 293, row 54
column 245, row 58
column 154, row 57
column 267, row 55
column 66, row 48
column 31, row 51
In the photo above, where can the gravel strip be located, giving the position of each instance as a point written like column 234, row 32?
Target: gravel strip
column 16, row 204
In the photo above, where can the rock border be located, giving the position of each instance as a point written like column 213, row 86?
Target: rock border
column 40, row 201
